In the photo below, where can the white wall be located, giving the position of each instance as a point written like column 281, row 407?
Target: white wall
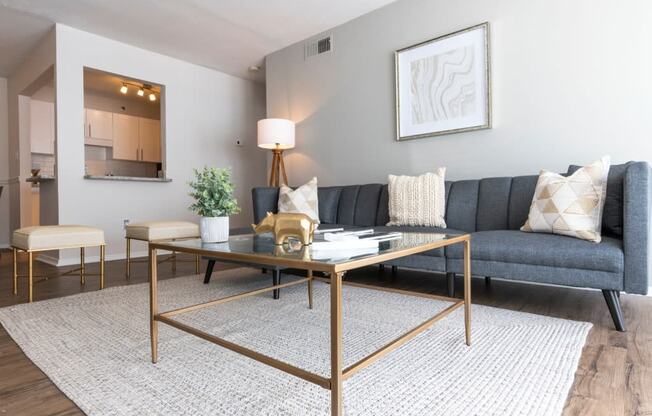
column 205, row 111
column 30, row 74
column 571, row 82
column 4, row 165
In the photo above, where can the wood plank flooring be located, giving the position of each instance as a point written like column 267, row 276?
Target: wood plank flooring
column 614, row 376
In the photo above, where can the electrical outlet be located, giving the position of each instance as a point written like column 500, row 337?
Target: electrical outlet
column 239, row 143
column 125, row 223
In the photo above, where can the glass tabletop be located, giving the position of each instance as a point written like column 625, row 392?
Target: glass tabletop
column 262, row 246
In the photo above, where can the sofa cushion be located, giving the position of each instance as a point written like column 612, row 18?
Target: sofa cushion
column 366, row 207
column 543, row 249
column 265, row 200
column 612, row 214
column 329, row 199
column 462, row 205
column 408, row 229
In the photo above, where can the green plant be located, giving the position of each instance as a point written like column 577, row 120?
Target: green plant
column 213, row 193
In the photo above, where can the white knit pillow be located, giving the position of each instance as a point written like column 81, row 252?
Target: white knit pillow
column 418, row 200
column 301, row 200
column 570, row 205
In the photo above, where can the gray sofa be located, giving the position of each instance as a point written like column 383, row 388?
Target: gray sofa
column 493, row 210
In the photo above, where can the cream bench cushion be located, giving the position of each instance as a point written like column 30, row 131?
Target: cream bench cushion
column 162, row 230
column 55, row 237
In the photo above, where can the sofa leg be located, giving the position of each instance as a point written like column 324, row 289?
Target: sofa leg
column 394, row 270
column 450, row 284
column 487, row 280
column 381, row 268
column 276, row 280
column 209, row 271
column 613, row 302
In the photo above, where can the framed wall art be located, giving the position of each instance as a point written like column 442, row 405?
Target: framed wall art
column 443, row 85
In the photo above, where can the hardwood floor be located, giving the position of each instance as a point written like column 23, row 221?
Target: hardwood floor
column 614, row 376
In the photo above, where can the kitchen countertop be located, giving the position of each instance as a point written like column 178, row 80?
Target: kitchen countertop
column 125, row 178
column 39, row 178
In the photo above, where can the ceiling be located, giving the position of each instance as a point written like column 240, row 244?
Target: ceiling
column 227, row 35
column 108, row 83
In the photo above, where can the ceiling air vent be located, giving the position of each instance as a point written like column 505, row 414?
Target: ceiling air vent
column 317, row 47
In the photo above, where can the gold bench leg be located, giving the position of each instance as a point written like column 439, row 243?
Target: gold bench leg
column 197, row 263
column 310, row 289
column 102, row 267
column 128, row 258
column 82, row 274
column 30, row 275
column 15, row 272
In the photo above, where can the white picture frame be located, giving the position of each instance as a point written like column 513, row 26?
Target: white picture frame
column 443, row 85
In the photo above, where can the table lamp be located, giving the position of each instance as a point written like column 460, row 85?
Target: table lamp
column 276, row 134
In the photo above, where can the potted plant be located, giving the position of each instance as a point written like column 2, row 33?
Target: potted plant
column 214, row 202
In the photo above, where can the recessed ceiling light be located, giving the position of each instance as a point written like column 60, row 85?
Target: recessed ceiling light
column 141, row 92
column 152, row 96
column 124, row 88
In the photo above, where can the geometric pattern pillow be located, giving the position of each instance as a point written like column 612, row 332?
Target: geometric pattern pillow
column 301, row 200
column 418, row 200
column 570, row 205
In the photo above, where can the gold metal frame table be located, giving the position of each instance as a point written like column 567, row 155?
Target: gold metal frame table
column 259, row 250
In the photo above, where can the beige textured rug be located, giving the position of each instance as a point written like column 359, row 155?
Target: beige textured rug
column 95, row 348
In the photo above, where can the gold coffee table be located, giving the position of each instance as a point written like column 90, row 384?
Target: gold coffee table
column 260, row 251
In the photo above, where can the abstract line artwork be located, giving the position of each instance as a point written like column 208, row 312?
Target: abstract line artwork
column 443, row 85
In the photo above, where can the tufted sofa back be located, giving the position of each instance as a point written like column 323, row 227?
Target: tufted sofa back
column 471, row 205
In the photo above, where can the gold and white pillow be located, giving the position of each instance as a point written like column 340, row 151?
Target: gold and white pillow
column 418, row 200
column 301, row 200
column 570, row 205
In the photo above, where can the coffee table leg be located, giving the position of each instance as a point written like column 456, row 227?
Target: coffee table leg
column 310, row 289
column 336, row 344
column 467, row 290
column 153, row 304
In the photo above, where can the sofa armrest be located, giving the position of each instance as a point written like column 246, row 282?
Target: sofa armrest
column 265, row 199
column 636, row 227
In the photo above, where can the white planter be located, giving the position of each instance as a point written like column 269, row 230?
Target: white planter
column 214, row 229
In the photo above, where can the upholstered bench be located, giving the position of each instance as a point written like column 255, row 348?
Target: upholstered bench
column 161, row 231
column 56, row 237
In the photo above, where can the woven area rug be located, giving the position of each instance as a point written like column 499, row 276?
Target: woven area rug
column 95, row 348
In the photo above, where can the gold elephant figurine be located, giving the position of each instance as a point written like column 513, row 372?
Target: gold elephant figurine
column 285, row 224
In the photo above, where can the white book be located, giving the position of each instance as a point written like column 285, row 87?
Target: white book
column 344, row 245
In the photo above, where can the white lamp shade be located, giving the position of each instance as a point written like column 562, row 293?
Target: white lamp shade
column 275, row 133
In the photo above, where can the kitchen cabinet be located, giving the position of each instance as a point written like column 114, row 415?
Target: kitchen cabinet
column 126, row 143
column 41, row 127
column 150, row 140
column 98, row 127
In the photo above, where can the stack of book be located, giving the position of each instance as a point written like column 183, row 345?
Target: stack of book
column 340, row 240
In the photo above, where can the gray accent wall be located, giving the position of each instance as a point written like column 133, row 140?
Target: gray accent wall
column 571, row 82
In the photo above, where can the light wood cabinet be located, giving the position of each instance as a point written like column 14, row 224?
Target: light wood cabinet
column 126, row 142
column 98, row 128
column 150, row 140
column 41, row 127
column 132, row 138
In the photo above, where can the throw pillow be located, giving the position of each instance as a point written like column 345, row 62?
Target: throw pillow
column 418, row 200
column 570, row 205
column 301, row 200
column 612, row 214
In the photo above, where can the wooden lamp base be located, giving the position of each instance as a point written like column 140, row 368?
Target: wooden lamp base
column 278, row 168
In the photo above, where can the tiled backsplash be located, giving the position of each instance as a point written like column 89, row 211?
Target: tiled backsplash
column 99, row 162
column 43, row 162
